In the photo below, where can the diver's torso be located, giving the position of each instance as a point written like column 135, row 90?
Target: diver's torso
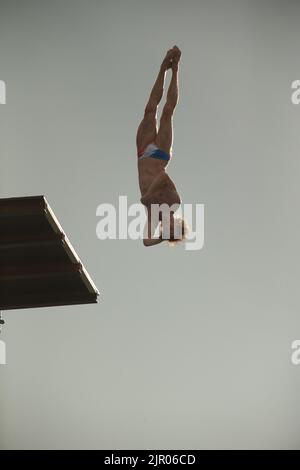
column 148, row 169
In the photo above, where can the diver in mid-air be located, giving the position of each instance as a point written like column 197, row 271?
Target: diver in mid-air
column 154, row 151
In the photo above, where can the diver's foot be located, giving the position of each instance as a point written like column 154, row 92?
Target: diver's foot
column 168, row 60
column 166, row 64
column 176, row 57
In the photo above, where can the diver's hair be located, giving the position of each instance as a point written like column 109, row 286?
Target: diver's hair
column 179, row 224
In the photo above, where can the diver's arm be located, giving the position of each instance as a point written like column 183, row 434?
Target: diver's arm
column 149, row 241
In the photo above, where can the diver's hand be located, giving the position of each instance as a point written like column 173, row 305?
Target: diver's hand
column 152, row 241
column 161, row 191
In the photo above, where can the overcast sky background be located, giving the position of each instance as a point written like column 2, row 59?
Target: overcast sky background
column 186, row 349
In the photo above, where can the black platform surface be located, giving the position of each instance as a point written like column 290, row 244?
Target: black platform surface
column 38, row 265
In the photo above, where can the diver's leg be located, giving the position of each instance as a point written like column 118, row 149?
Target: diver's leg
column 147, row 129
column 164, row 137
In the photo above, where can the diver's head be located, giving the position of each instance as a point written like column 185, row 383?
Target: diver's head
column 173, row 229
